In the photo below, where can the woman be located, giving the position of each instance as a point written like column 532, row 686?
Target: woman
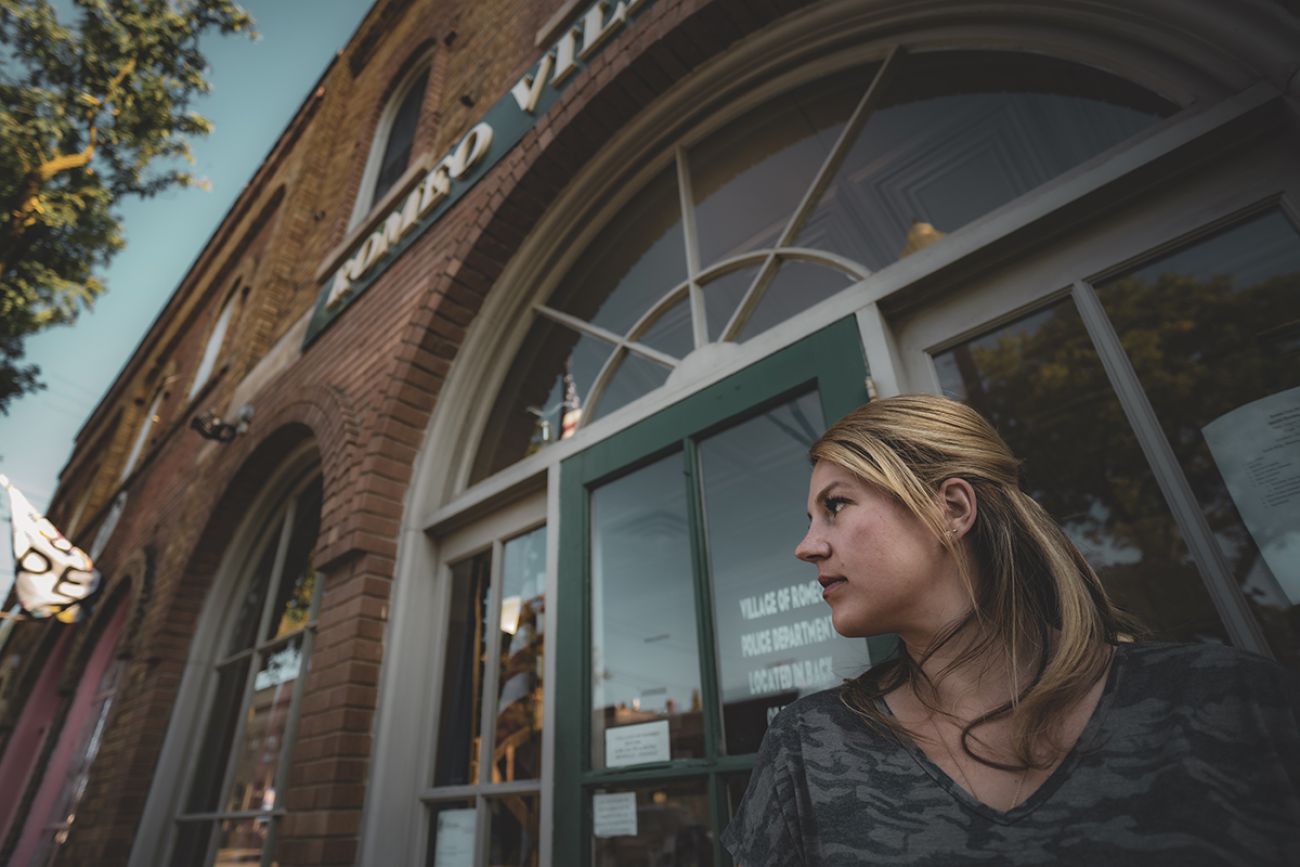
column 1018, row 723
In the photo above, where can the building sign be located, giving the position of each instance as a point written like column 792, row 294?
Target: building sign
column 473, row 155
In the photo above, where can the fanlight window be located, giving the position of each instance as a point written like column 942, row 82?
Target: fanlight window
column 793, row 203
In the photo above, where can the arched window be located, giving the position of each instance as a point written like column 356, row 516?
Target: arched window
column 212, row 349
column 788, row 205
column 390, row 154
column 142, row 435
column 231, row 805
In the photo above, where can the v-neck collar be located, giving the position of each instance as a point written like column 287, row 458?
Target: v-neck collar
column 1086, row 741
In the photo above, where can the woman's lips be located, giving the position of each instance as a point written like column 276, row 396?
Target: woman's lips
column 829, row 583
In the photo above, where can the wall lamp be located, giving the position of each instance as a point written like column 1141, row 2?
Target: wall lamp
column 211, row 427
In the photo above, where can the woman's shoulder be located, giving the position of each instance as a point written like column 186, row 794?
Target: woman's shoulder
column 819, row 717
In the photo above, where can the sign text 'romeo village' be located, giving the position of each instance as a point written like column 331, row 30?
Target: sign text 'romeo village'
column 471, row 157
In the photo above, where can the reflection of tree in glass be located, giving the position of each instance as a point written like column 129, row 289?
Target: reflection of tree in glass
column 1203, row 348
column 1041, row 384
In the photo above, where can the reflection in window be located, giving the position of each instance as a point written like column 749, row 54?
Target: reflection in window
column 952, row 136
column 672, row 826
column 142, row 435
column 644, row 650
column 463, row 671
column 238, row 775
column 774, row 636
column 493, row 699
column 1213, row 332
column 1041, row 384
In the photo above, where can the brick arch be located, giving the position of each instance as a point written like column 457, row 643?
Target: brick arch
column 131, row 584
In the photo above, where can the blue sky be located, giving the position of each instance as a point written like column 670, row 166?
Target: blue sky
column 256, row 87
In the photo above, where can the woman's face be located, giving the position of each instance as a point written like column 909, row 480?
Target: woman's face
column 880, row 568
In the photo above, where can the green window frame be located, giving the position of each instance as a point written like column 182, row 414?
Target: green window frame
column 830, row 361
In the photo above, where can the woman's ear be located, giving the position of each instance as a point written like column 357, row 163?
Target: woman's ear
column 957, row 498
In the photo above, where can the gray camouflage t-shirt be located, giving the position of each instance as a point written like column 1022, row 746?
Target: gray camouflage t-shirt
column 1192, row 757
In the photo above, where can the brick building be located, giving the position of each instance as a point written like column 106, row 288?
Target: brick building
column 508, row 357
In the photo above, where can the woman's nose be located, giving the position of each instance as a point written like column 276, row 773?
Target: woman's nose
column 811, row 548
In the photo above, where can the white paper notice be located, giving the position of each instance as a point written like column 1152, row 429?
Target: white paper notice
column 614, row 815
column 1257, row 449
column 638, row 744
column 454, row 843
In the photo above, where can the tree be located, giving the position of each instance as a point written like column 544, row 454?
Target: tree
column 90, row 112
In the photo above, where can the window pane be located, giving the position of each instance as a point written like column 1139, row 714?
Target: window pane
column 244, row 629
column 462, row 678
column 635, row 376
column 749, row 177
column 774, row 635
column 1040, row 383
column 671, row 332
column 513, row 831
column 257, row 757
column 795, row 287
column 191, row 843
column 723, row 295
column 1213, row 332
column 452, row 827
column 962, row 133
column 517, row 753
column 292, row 607
column 644, row 649
column 637, row 257
column 213, row 346
column 401, row 137
column 542, row 399
column 240, row 841
column 672, row 827
column 222, row 717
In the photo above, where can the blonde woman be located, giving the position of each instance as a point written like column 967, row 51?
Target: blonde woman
column 1019, row 723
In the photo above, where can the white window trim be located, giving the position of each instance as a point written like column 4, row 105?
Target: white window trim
column 439, row 501
column 364, row 203
column 174, row 770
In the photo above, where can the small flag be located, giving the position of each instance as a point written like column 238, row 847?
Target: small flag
column 51, row 575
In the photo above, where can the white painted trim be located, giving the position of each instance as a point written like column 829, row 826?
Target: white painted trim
column 176, row 760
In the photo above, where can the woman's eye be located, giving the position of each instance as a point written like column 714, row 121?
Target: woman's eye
column 834, row 504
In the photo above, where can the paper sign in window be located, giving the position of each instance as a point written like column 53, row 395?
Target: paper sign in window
column 454, row 843
column 1257, row 449
column 637, row 745
column 614, row 815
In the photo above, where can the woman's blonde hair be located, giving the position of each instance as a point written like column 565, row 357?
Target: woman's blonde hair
column 1036, row 597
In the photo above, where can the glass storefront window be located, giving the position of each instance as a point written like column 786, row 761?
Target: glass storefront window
column 669, row 824
column 774, row 637
column 485, row 797
column 1040, row 382
column 257, row 686
column 1213, row 333
column 644, row 648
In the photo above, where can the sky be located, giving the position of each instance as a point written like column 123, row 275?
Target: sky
column 256, row 88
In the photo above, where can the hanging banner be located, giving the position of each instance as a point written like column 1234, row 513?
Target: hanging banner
column 51, row 575
column 474, row 153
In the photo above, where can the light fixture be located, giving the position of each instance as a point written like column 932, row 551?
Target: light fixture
column 212, row 427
